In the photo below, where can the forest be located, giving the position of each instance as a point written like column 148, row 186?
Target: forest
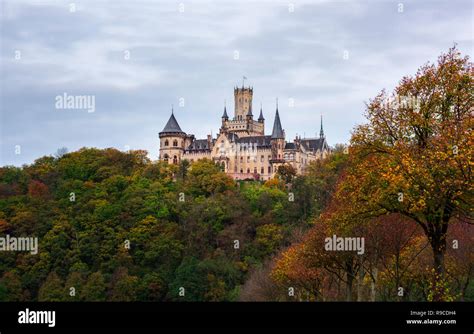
column 116, row 226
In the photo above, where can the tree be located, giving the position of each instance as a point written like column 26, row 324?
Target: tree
column 268, row 238
column 183, row 169
column 206, row 178
column 12, row 285
column 95, row 288
column 61, row 152
column 38, row 189
column 124, row 287
column 52, row 289
column 73, row 286
column 287, row 173
column 414, row 157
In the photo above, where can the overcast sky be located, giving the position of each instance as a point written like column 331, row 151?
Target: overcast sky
column 137, row 58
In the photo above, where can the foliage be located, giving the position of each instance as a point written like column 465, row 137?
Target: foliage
column 115, row 226
column 405, row 181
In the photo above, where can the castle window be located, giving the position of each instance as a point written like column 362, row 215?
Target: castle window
column 167, row 143
column 269, row 157
column 248, row 170
column 241, row 171
column 248, row 159
column 175, row 142
column 175, row 160
column 262, row 158
column 166, row 157
column 241, row 159
column 269, row 169
column 262, row 170
column 255, row 170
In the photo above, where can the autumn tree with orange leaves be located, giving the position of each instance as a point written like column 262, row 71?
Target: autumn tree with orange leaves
column 408, row 178
column 414, row 157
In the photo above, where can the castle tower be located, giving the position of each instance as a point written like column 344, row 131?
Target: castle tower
column 243, row 102
column 277, row 142
column 172, row 141
column 225, row 119
column 261, row 119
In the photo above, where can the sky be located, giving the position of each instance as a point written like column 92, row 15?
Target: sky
column 136, row 59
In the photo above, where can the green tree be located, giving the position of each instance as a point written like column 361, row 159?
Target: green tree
column 52, row 289
column 95, row 288
column 73, row 286
column 12, row 287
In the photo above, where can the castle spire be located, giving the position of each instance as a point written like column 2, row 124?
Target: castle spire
column 249, row 113
column 277, row 132
column 321, row 132
column 225, row 116
column 260, row 118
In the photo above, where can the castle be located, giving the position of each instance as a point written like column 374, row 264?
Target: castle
column 241, row 147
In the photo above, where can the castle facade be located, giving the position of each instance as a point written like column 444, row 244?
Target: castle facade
column 241, row 146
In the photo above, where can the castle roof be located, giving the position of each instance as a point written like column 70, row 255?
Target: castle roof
column 259, row 141
column 249, row 113
column 313, row 144
column 199, row 145
column 277, row 132
column 260, row 118
column 232, row 137
column 172, row 126
column 225, row 113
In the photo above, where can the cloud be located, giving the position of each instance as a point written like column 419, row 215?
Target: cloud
column 189, row 54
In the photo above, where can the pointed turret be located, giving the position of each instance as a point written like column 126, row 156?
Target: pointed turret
column 172, row 141
column 249, row 113
column 172, row 126
column 260, row 118
column 224, row 115
column 277, row 132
